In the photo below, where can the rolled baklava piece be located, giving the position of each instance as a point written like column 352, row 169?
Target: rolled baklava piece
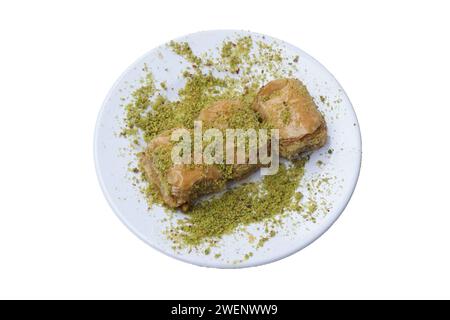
column 178, row 184
column 286, row 104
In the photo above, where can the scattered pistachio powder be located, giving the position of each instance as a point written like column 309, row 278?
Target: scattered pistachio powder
column 286, row 115
column 234, row 53
column 249, row 203
column 243, row 66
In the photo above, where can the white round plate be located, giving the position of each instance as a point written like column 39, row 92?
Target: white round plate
column 341, row 165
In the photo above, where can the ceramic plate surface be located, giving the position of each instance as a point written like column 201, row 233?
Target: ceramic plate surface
column 339, row 159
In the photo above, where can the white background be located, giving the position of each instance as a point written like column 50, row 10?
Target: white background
column 59, row 238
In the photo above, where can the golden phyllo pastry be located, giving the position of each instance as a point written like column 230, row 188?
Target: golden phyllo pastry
column 286, row 104
column 178, row 184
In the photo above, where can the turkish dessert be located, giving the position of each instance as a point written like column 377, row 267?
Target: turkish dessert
column 287, row 105
column 283, row 104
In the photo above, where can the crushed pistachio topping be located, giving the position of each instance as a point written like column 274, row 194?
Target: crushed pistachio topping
column 286, row 115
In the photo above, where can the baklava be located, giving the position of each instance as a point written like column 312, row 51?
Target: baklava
column 180, row 184
column 283, row 104
column 286, row 104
